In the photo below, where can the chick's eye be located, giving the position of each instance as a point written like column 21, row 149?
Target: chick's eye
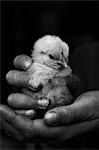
column 51, row 56
column 42, row 52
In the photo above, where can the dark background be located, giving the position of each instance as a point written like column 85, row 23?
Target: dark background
column 22, row 23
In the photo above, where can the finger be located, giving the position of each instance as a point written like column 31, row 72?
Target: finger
column 37, row 129
column 4, row 110
column 17, row 121
column 22, row 62
column 23, row 101
column 7, row 114
column 86, row 107
column 26, row 126
column 10, row 130
column 28, row 113
column 30, row 129
column 17, row 78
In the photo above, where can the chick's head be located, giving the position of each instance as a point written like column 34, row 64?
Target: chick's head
column 51, row 51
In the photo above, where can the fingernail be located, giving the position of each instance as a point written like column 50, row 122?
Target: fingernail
column 30, row 113
column 43, row 103
column 27, row 64
column 51, row 118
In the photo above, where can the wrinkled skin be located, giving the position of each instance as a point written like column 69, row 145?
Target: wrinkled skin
column 58, row 124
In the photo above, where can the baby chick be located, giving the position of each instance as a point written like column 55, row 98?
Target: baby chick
column 49, row 71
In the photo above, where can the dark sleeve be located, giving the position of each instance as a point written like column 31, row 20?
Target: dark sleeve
column 73, row 83
column 85, row 64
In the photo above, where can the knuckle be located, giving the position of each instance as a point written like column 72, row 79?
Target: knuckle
column 10, row 99
column 67, row 115
column 8, row 75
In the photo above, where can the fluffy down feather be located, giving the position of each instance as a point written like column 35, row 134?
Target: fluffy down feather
column 49, row 71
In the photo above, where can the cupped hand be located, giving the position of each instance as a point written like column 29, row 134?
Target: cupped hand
column 59, row 124
column 24, row 129
column 23, row 101
column 20, row 78
column 84, row 109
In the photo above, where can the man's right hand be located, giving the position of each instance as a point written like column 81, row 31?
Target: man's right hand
column 79, row 115
column 20, row 78
column 22, row 101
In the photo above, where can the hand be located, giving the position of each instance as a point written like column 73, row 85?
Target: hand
column 21, row 79
column 83, row 112
column 82, row 116
column 23, row 128
column 70, row 121
column 17, row 78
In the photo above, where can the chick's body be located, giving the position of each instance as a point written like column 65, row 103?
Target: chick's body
column 48, row 73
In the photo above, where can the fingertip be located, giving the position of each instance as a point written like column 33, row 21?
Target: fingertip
column 10, row 99
column 22, row 62
column 12, row 76
column 7, row 112
column 43, row 104
column 16, row 100
column 8, row 75
column 57, row 116
column 17, row 78
column 28, row 113
column 2, row 107
column 50, row 118
column 21, row 101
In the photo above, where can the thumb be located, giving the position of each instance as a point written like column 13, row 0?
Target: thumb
column 84, row 108
column 22, row 62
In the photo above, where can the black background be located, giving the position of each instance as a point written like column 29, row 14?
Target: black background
column 22, row 23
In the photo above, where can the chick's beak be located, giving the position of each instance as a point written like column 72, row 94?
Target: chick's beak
column 64, row 63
